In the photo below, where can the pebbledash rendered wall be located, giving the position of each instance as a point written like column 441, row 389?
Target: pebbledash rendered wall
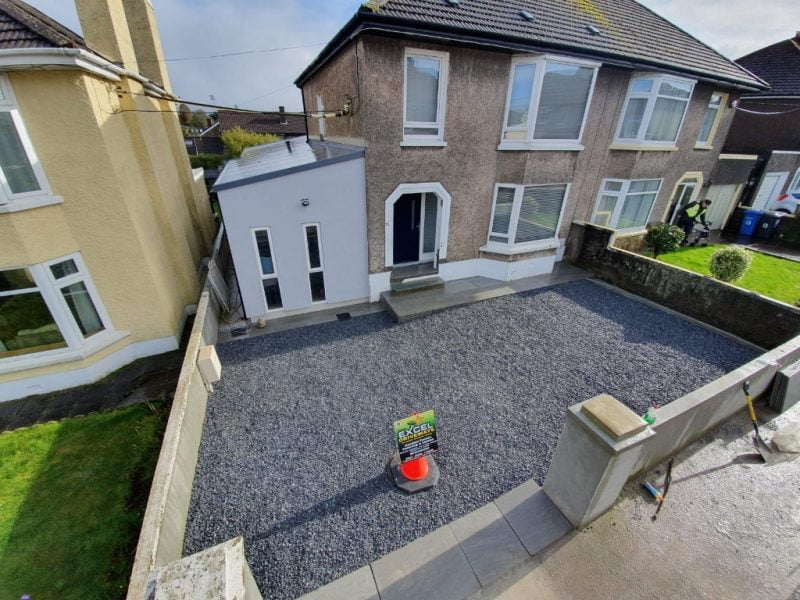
column 762, row 321
column 370, row 72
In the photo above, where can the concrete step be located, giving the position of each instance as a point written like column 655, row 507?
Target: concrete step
column 415, row 284
column 411, row 271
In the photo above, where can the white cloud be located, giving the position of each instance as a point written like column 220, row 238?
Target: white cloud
column 204, row 27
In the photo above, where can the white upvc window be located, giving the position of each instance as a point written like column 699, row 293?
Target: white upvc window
column 547, row 102
column 267, row 268
column 711, row 119
column 22, row 180
column 49, row 307
column 654, row 110
column 316, row 275
column 424, row 97
column 625, row 203
column 526, row 216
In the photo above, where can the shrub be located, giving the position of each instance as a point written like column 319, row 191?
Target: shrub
column 730, row 263
column 237, row 139
column 207, row 161
column 790, row 227
column 663, row 238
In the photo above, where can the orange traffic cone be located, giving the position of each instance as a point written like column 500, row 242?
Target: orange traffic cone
column 415, row 470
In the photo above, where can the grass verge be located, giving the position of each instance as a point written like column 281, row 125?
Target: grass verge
column 72, row 501
column 771, row 276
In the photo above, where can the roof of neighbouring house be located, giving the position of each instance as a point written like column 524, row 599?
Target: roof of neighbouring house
column 22, row 26
column 268, row 161
column 262, row 123
column 618, row 31
column 778, row 65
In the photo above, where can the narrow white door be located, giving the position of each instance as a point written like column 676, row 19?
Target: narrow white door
column 771, row 186
column 723, row 200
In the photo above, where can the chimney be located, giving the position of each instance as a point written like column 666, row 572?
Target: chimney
column 146, row 41
column 282, row 111
column 124, row 31
column 105, row 29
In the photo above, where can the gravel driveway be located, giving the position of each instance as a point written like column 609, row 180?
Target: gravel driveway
column 299, row 429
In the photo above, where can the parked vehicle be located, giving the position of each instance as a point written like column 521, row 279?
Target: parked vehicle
column 786, row 203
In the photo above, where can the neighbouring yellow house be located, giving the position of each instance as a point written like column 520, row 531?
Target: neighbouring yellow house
column 103, row 224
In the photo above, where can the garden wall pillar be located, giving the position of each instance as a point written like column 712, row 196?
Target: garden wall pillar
column 596, row 454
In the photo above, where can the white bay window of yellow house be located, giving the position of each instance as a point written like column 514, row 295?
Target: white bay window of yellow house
column 654, row 110
column 50, row 306
column 547, row 103
column 625, row 204
column 526, row 215
column 424, row 97
column 21, row 175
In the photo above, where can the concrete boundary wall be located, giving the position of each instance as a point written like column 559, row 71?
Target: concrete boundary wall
column 762, row 321
column 685, row 420
column 164, row 523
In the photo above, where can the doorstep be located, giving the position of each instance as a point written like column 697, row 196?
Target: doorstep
column 458, row 560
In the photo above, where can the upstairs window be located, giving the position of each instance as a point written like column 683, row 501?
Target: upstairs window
column 526, row 214
column 21, row 175
column 547, row 103
column 654, row 110
column 625, row 204
column 711, row 119
column 425, row 97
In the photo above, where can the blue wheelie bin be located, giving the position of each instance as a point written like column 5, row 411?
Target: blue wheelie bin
column 750, row 221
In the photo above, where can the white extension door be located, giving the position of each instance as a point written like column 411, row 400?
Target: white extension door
column 771, row 186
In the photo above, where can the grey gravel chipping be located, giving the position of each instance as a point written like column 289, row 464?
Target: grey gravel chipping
column 298, row 431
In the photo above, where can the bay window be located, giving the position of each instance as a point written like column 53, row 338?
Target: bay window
column 654, row 110
column 50, row 306
column 21, row 175
column 711, row 120
column 625, row 204
column 424, row 97
column 526, row 215
column 547, row 102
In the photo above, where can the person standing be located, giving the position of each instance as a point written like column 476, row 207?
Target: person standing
column 691, row 214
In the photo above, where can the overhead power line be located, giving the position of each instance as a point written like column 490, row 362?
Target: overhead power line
column 231, row 53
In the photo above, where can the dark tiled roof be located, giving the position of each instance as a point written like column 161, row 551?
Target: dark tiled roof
column 295, row 125
column 778, row 65
column 22, row 26
column 627, row 30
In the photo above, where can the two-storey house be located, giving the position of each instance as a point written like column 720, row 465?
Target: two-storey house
column 486, row 128
column 102, row 223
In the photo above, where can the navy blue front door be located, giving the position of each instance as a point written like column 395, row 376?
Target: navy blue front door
column 406, row 228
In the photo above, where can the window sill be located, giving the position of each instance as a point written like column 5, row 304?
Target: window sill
column 643, row 147
column 703, row 147
column 539, row 146
column 29, row 203
column 410, row 143
column 56, row 357
column 495, row 248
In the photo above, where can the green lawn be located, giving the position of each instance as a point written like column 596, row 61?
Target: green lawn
column 768, row 275
column 71, row 502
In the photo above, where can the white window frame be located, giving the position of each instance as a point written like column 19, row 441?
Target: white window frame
column 651, row 96
column 427, row 140
column 261, row 276
column 77, row 346
column 529, row 143
column 9, row 201
column 709, row 143
column 622, row 194
column 321, row 268
column 510, row 247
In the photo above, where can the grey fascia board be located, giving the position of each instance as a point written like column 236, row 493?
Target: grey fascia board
column 290, row 171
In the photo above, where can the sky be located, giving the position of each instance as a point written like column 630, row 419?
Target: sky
column 264, row 80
